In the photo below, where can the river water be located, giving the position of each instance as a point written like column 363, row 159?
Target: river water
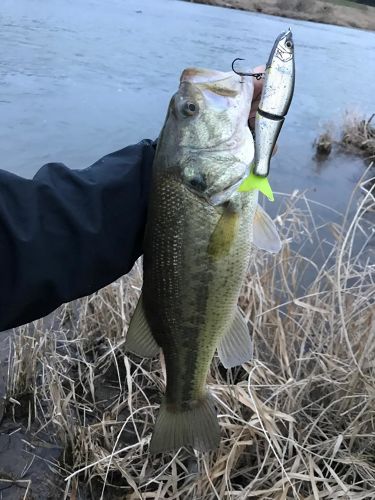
column 81, row 78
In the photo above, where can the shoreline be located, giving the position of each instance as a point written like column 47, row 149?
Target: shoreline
column 356, row 16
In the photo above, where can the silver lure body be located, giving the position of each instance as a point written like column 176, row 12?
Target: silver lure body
column 275, row 101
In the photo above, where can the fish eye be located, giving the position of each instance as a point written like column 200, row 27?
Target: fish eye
column 289, row 44
column 189, row 108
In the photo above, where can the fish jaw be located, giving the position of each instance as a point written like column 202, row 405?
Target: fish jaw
column 206, row 140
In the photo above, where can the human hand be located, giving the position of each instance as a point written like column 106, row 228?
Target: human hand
column 258, row 87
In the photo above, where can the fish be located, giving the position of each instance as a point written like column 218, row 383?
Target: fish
column 277, row 94
column 197, row 243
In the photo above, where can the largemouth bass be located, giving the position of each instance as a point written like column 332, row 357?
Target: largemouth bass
column 197, row 246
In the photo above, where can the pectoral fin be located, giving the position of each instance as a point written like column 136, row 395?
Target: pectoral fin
column 236, row 346
column 224, row 234
column 139, row 339
column 265, row 235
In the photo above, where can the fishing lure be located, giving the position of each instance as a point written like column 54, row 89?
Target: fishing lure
column 277, row 94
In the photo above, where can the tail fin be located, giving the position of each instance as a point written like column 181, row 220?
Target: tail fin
column 197, row 427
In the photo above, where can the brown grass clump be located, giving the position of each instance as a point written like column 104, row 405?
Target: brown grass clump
column 356, row 134
column 298, row 422
column 359, row 134
column 323, row 143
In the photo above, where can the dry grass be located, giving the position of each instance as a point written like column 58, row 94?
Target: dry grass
column 297, row 423
column 323, row 143
column 359, row 134
column 356, row 135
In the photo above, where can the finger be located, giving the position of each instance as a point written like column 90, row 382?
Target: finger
column 258, row 84
column 258, row 87
column 257, row 94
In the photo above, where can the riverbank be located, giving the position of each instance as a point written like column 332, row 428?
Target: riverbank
column 343, row 13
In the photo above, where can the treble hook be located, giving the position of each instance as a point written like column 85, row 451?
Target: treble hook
column 257, row 76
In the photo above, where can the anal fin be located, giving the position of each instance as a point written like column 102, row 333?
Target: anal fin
column 139, row 339
column 236, row 346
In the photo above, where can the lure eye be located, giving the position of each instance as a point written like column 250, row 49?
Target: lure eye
column 189, row 108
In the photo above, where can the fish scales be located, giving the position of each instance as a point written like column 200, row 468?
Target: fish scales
column 190, row 297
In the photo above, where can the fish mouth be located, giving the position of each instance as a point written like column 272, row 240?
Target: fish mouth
column 223, row 84
column 203, row 75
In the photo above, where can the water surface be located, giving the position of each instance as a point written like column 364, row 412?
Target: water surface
column 79, row 79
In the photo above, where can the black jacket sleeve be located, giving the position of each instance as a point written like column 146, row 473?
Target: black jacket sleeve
column 66, row 233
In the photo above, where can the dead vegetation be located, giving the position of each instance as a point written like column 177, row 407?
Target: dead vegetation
column 323, row 143
column 359, row 134
column 356, row 134
column 297, row 423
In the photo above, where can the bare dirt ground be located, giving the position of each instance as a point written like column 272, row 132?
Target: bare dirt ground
column 355, row 16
